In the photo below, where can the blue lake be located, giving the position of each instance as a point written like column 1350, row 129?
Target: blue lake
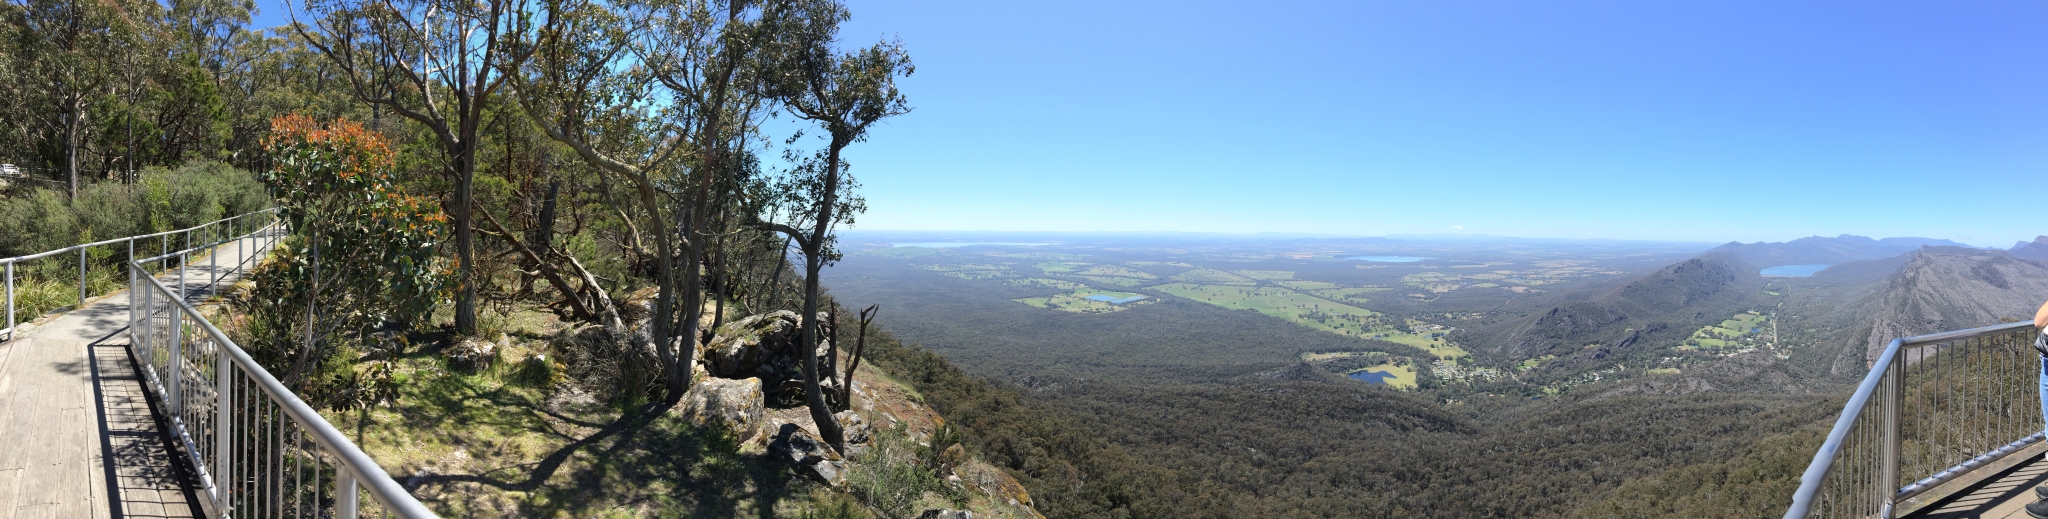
column 1373, row 377
column 952, row 244
column 1114, row 300
column 1792, row 271
column 1388, row 259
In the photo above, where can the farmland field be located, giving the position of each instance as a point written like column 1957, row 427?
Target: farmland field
column 1212, row 276
column 1078, row 301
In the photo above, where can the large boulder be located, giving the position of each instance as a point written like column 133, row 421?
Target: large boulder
column 945, row 513
column 744, row 347
column 809, row 455
column 732, row 405
column 472, row 354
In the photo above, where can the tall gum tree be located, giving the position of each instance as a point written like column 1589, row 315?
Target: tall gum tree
column 437, row 63
column 646, row 92
column 844, row 94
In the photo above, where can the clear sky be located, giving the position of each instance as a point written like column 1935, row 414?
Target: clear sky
column 1692, row 120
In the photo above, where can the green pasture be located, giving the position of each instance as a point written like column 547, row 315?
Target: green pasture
column 1211, row 276
column 1060, row 267
column 1303, row 309
column 1308, row 285
column 1725, row 333
column 1116, row 271
column 1044, row 282
column 1266, row 275
column 1532, row 363
column 1122, row 282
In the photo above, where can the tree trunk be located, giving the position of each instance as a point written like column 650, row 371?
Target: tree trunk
column 814, row 262
column 72, row 123
column 465, row 297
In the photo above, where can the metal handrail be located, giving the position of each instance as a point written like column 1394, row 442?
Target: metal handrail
column 245, row 444
column 1997, row 382
column 9, row 326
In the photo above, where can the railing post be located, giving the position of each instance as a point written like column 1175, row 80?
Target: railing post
column 10, row 300
column 177, row 367
column 344, row 492
column 1888, row 482
column 223, row 444
column 184, row 256
column 81, row 276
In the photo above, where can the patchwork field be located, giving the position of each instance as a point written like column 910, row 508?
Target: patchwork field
column 1744, row 330
column 1087, row 301
column 1116, row 271
column 1300, row 308
column 1266, row 275
column 1211, row 276
column 1044, row 282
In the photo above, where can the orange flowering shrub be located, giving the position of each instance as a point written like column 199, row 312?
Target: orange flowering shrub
column 375, row 249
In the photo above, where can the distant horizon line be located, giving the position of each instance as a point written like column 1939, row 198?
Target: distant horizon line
column 1407, row 236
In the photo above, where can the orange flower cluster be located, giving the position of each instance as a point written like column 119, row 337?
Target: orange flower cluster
column 361, row 152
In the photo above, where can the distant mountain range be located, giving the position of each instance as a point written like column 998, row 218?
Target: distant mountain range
column 1815, row 250
column 2036, row 250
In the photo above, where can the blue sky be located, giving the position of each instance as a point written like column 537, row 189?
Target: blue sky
column 1701, row 120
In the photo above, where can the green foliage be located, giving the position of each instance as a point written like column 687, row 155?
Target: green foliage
column 894, row 472
column 165, row 199
column 362, row 257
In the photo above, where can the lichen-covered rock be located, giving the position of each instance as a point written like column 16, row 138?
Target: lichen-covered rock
column 733, row 405
column 945, row 513
column 809, row 455
column 471, row 354
column 742, row 347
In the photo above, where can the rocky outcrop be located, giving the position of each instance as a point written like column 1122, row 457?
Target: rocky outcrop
column 810, row 456
column 728, row 404
column 744, row 347
column 945, row 513
column 472, row 354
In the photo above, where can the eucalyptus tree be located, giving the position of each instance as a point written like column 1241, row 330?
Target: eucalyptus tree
column 437, row 63
column 844, row 94
column 65, row 58
column 652, row 92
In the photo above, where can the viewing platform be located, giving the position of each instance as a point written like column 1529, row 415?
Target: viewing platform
column 1943, row 425
column 132, row 405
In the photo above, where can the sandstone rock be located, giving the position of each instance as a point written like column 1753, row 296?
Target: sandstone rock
column 471, row 354
column 945, row 513
column 857, row 432
column 809, row 455
column 734, row 405
column 742, row 347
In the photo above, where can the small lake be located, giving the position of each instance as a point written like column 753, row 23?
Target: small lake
column 1373, row 377
column 1792, row 271
column 1115, row 300
column 1389, row 259
column 952, row 244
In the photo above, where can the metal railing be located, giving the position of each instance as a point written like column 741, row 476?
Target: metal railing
column 258, row 449
column 1933, row 408
column 211, row 234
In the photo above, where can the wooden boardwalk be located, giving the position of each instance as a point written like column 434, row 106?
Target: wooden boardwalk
column 2003, row 494
column 78, row 434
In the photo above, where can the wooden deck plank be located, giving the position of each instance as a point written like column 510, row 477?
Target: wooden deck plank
column 81, row 438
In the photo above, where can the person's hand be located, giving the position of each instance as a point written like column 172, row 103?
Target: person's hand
column 2041, row 317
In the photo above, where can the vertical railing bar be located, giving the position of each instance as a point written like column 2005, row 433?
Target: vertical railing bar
column 10, row 300
column 81, row 277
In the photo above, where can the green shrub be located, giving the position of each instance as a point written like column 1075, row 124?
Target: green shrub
column 42, row 219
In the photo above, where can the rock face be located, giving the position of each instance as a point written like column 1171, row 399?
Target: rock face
column 734, row 405
column 809, row 455
column 471, row 354
column 747, row 346
column 945, row 513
